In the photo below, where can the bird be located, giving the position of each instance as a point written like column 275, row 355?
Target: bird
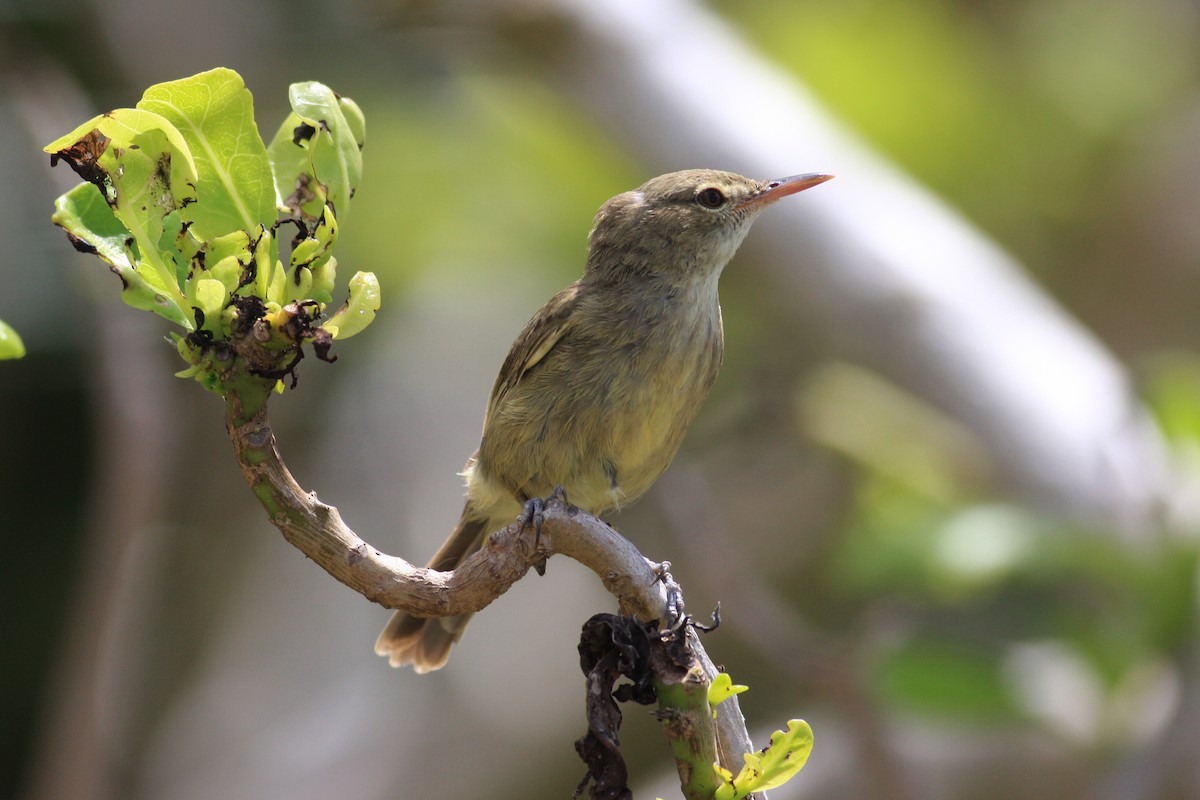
column 597, row 391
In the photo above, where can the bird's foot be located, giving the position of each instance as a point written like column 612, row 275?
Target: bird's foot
column 534, row 514
column 675, row 618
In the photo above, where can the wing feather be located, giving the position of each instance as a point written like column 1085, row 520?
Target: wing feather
column 539, row 337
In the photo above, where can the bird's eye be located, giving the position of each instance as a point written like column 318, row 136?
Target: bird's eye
column 710, row 198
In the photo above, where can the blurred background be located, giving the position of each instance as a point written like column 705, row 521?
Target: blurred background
column 945, row 489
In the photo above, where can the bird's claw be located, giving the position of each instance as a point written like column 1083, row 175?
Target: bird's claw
column 534, row 514
column 676, row 618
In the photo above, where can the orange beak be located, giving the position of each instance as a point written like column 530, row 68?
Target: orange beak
column 783, row 187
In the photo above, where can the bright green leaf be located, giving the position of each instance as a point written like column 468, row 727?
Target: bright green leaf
column 135, row 171
column 323, row 280
column 236, row 244
column 356, row 126
column 121, row 127
column 771, row 767
column 337, row 154
column 11, row 345
column 296, row 188
column 726, row 790
column 143, row 198
column 210, row 296
column 92, row 224
column 214, row 112
column 136, row 159
column 228, row 271
column 264, row 267
column 723, row 688
column 784, row 757
column 90, row 221
column 359, row 310
column 180, row 196
column 300, row 286
column 313, row 251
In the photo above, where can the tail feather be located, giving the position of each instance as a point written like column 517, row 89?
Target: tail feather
column 425, row 642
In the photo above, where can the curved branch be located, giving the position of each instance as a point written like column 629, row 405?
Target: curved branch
column 317, row 530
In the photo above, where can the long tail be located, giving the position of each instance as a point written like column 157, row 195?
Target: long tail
column 425, row 642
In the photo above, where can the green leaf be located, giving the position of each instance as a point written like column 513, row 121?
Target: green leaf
column 316, row 154
column 323, row 278
column 236, row 244
column 214, row 112
column 142, row 200
column 723, row 688
column 786, row 755
column 180, row 201
column 11, row 345
column 134, row 159
column 314, row 251
column 210, row 296
column 122, row 127
column 726, row 790
column 266, row 269
column 359, row 310
column 94, row 227
column 771, row 767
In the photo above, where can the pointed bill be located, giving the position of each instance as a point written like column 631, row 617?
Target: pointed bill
column 773, row 190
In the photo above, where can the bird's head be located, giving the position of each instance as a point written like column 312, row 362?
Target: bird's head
column 681, row 224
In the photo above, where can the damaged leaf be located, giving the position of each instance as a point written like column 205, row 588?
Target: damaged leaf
column 180, row 201
column 94, row 228
column 317, row 152
column 611, row 649
column 139, row 165
column 83, row 147
column 771, row 767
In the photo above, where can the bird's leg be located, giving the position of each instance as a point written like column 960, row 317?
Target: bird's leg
column 558, row 495
column 534, row 514
column 676, row 616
